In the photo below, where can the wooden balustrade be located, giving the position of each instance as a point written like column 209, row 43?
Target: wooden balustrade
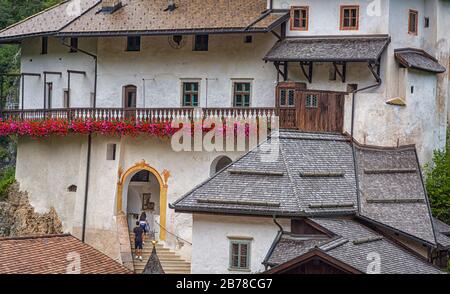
column 138, row 114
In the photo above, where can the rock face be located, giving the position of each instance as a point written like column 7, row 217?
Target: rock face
column 18, row 218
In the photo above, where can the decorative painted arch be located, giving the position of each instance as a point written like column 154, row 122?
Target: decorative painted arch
column 163, row 186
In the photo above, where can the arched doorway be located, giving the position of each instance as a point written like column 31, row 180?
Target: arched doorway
column 142, row 186
column 219, row 164
column 143, row 195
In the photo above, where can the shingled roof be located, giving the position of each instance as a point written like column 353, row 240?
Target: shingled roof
column 351, row 244
column 329, row 49
column 149, row 18
column 47, row 22
column 392, row 192
column 418, row 59
column 442, row 233
column 313, row 174
column 53, row 254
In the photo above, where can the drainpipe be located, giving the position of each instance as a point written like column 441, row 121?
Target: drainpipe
column 352, row 129
column 88, row 161
column 95, row 67
column 86, row 191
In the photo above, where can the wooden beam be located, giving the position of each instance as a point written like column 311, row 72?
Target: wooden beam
column 342, row 74
column 308, row 74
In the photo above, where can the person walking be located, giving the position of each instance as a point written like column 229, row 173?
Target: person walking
column 143, row 223
column 138, row 240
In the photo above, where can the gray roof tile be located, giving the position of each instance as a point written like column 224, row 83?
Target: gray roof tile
column 329, row 49
column 396, row 193
column 418, row 59
column 393, row 259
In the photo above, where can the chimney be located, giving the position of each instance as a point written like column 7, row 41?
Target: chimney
column 110, row 6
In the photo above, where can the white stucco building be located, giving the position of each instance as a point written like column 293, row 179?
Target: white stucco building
column 373, row 70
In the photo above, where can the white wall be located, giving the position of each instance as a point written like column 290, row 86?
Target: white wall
column 211, row 245
column 324, row 17
column 164, row 69
column 58, row 59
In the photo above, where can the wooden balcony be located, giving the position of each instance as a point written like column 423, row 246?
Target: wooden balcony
column 138, row 114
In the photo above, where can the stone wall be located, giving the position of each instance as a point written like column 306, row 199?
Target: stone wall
column 18, row 218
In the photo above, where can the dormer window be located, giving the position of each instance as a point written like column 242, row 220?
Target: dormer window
column 349, row 18
column 134, row 43
column 299, row 18
column 413, row 21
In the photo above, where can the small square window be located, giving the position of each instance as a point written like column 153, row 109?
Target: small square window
column 241, row 94
column 349, row 18
column 248, row 39
column 44, row 49
column 111, row 151
column 240, row 254
column 413, row 21
column 312, row 101
column 201, row 43
column 299, row 18
column 190, row 94
column 134, row 43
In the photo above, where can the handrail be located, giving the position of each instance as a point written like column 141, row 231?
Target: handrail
column 177, row 237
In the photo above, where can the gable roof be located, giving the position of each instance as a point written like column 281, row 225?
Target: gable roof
column 352, row 245
column 47, row 22
column 418, row 59
column 313, row 254
column 51, row 255
column 392, row 192
column 142, row 17
column 322, row 49
column 313, row 174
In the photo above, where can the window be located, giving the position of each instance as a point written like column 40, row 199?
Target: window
column 413, row 22
column 111, row 151
column 201, row 43
column 299, row 18
column 130, row 96
column 49, row 94
column 44, row 44
column 332, row 73
column 72, row 188
column 349, row 17
column 134, row 43
column 241, row 94
column 312, row 101
column 190, row 94
column 142, row 177
column 287, row 97
column 240, row 254
column 427, row 22
column 73, row 45
column 248, row 39
column 66, row 99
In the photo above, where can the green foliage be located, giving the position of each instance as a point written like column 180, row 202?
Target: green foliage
column 7, row 179
column 438, row 184
column 12, row 11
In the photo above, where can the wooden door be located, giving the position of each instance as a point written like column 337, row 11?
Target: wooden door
column 287, row 104
column 129, row 101
column 320, row 111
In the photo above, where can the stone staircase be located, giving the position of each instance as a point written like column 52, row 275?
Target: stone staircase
column 170, row 261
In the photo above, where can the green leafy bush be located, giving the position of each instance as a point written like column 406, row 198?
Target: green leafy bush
column 438, row 184
column 7, row 179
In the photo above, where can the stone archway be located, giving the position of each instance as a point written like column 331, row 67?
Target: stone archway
column 163, row 185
